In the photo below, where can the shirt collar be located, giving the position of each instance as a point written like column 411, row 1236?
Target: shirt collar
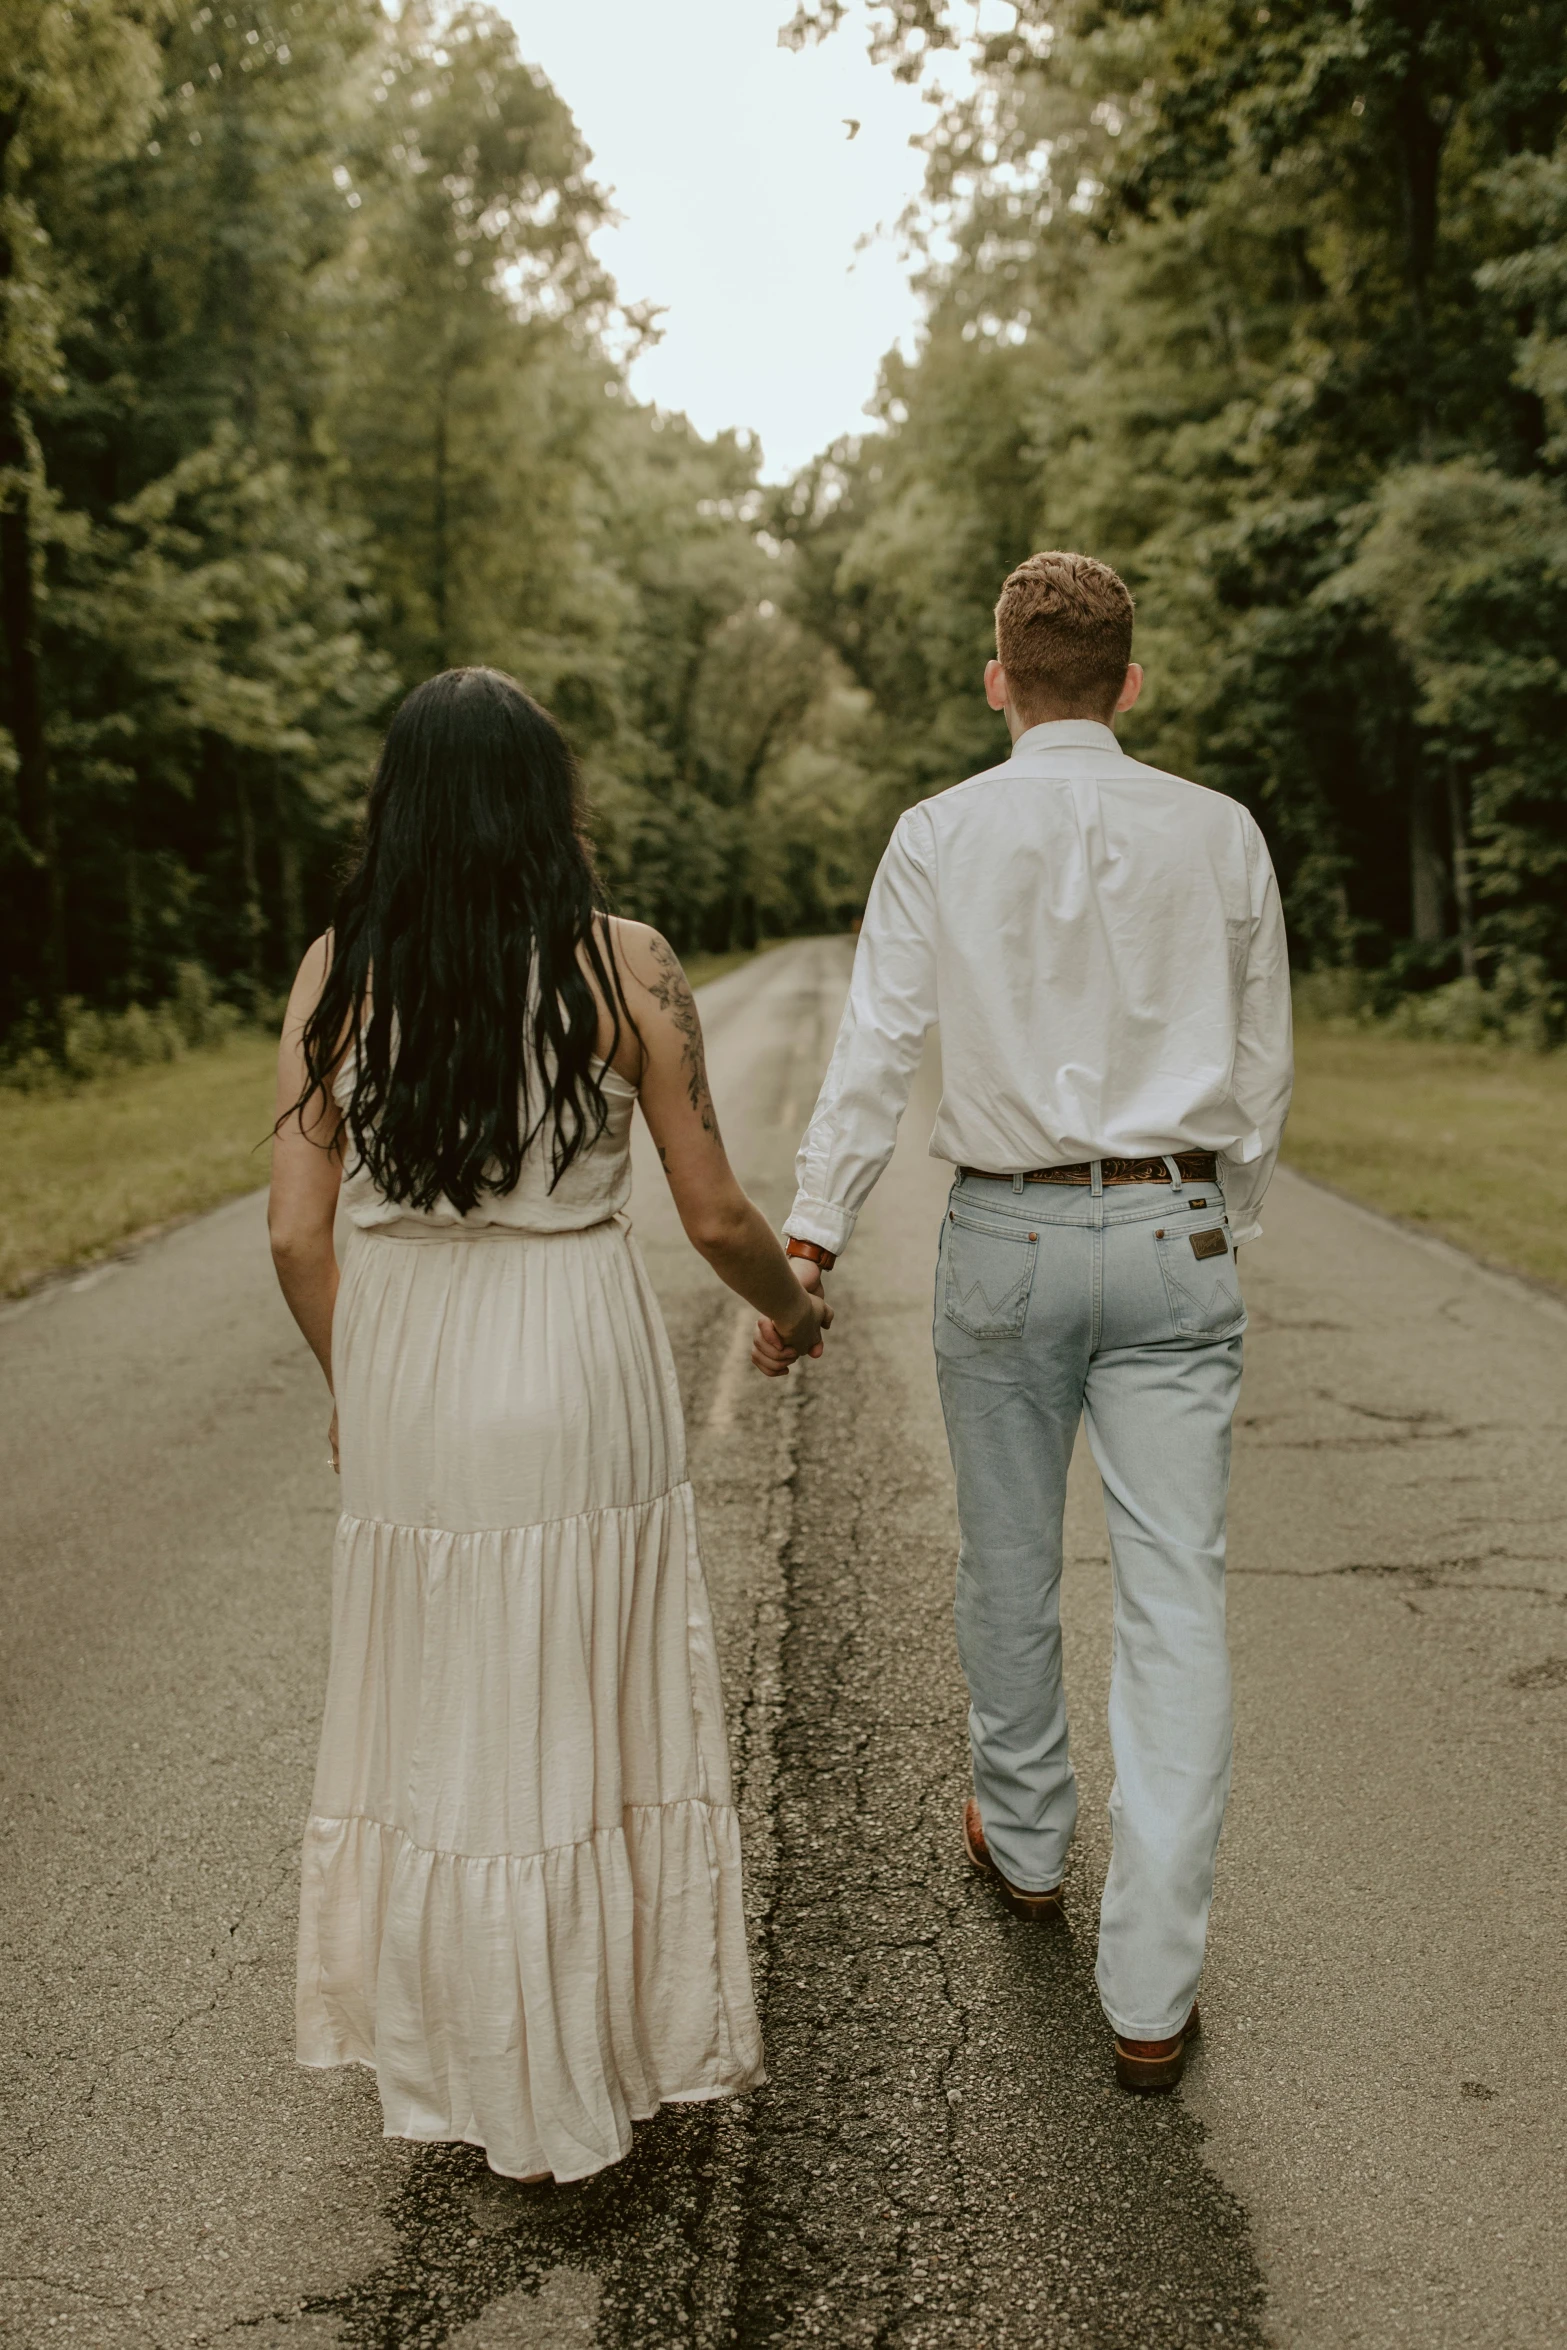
column 1068, row 734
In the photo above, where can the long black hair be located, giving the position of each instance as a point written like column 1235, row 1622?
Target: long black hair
column 462, row 933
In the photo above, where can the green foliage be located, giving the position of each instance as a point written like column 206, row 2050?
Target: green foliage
column 1530, row 193
column 316, row 387
column 99, row 1044
column 75, row 82
column 310, row 383
column 1268, row 307
column 469, row 368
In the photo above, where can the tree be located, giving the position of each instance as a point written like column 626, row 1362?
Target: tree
column 469, row 370
column 332, row 393
column 234, row 700
column 77, row 80
column 1233, row 285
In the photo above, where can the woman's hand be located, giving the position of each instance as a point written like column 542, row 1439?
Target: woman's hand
column 774, row 1349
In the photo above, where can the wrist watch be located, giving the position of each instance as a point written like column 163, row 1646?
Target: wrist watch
column 808, row 1248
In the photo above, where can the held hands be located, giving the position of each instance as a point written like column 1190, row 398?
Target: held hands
column 774, row 1349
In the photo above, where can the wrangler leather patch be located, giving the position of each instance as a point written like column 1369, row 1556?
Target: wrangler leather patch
column 1209, row 1244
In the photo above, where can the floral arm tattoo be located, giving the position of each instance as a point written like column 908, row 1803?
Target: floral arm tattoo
column 671, row 991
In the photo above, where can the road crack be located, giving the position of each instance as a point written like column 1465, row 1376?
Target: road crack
column 939, row 2078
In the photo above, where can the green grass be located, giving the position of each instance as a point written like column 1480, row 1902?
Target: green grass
column 84, row 1172
column 1469, row 1141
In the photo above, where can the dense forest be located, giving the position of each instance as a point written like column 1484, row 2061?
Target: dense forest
column 310, row 383
column 1267, row 306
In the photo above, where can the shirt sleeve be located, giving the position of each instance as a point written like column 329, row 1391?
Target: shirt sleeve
column 892, row 1003
column 1264, row 1049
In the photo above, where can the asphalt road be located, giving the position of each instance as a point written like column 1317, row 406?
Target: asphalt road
column 1368, row 2147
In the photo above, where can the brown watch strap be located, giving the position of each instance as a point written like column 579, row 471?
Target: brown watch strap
column 808, row 1248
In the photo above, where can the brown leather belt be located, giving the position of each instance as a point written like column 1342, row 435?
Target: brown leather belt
column 1195, row 1166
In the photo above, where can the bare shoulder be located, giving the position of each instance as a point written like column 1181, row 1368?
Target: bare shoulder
column 661, row 986
column 310, row 977
column 656, row 979
column 648, row 960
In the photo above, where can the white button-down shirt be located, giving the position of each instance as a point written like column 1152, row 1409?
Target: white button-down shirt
column 1103, row 947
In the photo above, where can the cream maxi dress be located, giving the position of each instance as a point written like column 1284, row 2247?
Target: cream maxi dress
column 521, row 1897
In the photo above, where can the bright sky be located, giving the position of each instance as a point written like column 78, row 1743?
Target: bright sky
column 743, row 201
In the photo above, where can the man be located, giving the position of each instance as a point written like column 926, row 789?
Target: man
column 1103, row 947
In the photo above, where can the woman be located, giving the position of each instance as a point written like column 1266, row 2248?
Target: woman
column 521, row 1898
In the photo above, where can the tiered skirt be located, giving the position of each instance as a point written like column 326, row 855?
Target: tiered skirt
column 521, row 1897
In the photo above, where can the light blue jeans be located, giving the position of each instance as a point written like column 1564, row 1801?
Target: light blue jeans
column 1054, row 1302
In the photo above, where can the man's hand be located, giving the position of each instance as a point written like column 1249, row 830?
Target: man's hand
column 773, row 1350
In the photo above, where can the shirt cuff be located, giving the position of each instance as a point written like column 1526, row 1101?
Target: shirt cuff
column 813, row 1219
column 1245, row 1232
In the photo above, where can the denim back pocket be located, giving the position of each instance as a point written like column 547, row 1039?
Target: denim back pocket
column 1198, row 1263
column 989, row 1273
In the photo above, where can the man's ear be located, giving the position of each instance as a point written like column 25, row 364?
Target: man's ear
column 996, row 685
column 1132, row 686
